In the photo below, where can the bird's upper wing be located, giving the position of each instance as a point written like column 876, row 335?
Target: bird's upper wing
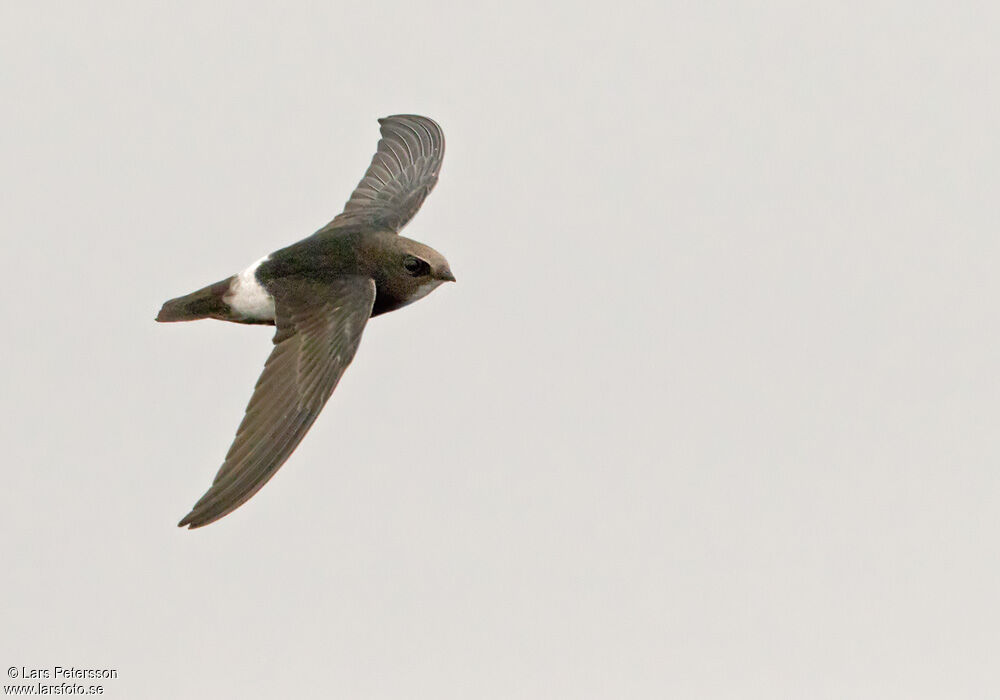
column 319, row 326
column 403, row 171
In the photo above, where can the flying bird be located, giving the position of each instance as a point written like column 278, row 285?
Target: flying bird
column 319, row 293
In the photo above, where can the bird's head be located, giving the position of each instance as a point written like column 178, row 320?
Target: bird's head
column 407, row 271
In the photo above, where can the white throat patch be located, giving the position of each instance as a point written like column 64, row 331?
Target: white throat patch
column 423, row 290
column 247, row 297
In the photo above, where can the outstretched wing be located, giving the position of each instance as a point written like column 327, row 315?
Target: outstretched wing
column 403, row 171
column 319, row 327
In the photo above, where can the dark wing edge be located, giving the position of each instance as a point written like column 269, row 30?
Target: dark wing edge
column 402, row 173
column 319, row 327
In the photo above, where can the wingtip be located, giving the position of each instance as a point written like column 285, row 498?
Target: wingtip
column 416, row 117
column 188, row 521
column 202, row 517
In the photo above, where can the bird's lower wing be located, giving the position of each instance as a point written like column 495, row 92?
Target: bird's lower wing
column 319, row 326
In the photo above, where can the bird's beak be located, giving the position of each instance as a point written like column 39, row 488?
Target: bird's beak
column 446, row 276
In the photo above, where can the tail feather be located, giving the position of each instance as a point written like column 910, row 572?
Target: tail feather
column 205, row 303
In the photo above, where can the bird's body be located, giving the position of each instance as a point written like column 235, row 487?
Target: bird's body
column 320, row 292
column 324, row 256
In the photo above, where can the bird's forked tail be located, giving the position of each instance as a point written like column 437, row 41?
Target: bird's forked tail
column 207, row 302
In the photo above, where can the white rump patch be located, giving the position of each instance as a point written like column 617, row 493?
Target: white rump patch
column 248, row 298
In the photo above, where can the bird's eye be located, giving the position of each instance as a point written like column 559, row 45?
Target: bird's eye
column 415, row 266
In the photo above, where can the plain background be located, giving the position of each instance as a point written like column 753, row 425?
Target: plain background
column 710, row 413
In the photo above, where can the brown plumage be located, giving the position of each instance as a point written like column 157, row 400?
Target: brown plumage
column 320, row 293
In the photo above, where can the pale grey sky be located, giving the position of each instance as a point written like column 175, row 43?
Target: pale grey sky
column 711, row 412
